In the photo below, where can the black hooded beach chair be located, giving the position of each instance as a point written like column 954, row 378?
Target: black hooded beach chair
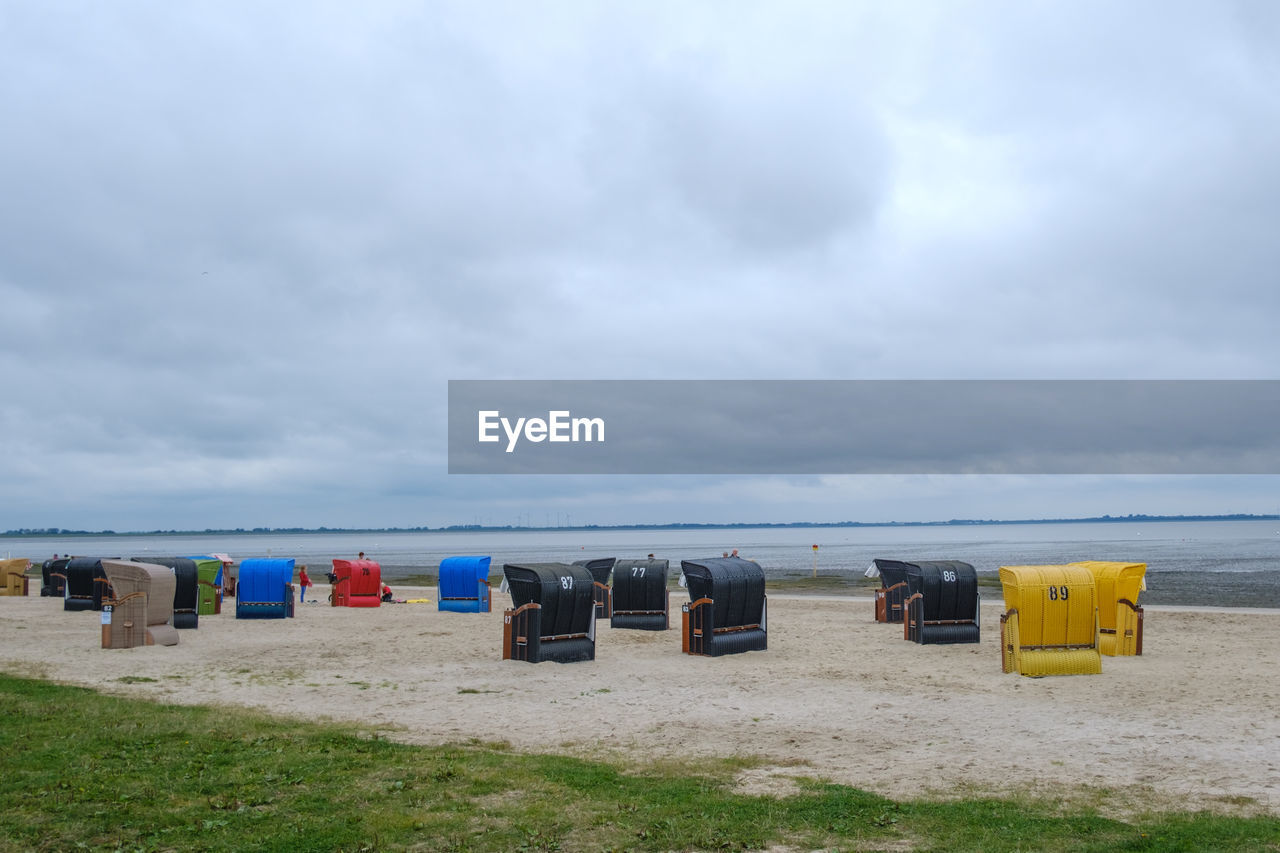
column 639, row 596
column 600, row 569
column 53, row 577
column 87, row 585
column 186, row 595
column 553, row 615
column 893, row 588
column 726, row 613
column 943, row 603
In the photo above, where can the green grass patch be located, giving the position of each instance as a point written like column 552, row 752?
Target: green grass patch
column 83, row 770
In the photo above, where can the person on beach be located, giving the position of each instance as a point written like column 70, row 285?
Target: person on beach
column 386, row 592
column 735, row 553
column 361, row 557
column 304, row 581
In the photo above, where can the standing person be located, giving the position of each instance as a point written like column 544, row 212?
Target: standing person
column 304, row 581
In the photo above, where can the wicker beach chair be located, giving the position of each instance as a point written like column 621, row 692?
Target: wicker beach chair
column 553, row 613
column 727, row 609
column 1119, row 616
column 142, row 607
column 893, row 589
column 463, row 585
column 209, row 580
column 357, row 583
column 639, row 597
column 943, row 604
column 265, row 589
column 600, row 568
column 13, row 576
column 1051, row 624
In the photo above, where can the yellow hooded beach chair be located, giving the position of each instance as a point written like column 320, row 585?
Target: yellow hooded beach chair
column 1050, row 626
column 13, row 576
column 1119, row 616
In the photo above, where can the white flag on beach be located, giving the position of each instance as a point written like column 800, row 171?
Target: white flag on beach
column 683, row 582
column 504, row 586
column 872, row 571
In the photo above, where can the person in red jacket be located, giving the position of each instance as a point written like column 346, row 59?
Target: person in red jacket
column 303, row 581
column 386, row 592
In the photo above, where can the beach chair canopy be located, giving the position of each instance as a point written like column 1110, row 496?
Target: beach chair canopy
column 950, row 588
column 600, row 567
column 1114, row 581
column 735, row 585
column 265, row 581
column 890, row 572
column 460, row 576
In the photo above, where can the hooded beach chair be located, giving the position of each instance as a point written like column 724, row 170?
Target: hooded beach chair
column 357, row 583
column 553, row 614
column 265, row 589
column 87, row 585
column 186, row 593
column 942, row 604
column 727, row 608
column 13, row 576
column 600, row 569
column 1051, row 624
column 893, row 588
column 53, row 577
column 209, row 582
column 463, row 585
column 639, row 597
column 1119, row 616
column 142, row 608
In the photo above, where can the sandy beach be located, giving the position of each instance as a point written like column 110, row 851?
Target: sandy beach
column 1192, row 723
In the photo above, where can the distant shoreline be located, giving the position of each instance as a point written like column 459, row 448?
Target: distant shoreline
column 51, row 532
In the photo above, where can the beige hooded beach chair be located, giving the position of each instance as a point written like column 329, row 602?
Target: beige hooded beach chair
column 13, row 576
column 142, row 610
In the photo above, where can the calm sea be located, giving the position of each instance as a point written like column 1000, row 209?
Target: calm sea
column 1234, row 563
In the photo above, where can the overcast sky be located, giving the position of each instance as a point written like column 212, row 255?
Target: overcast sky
column 244, row 246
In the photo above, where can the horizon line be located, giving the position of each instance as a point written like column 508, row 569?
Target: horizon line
column 453, row 528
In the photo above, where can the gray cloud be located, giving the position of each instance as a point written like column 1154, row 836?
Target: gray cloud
column 246, row 248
